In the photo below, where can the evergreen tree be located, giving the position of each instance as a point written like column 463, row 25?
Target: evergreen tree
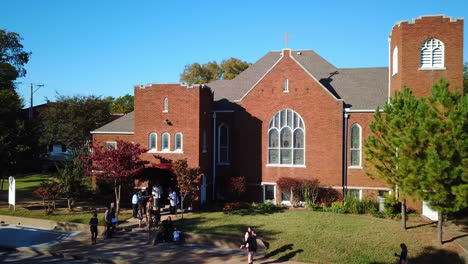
column 444, row 182
column 394, row 150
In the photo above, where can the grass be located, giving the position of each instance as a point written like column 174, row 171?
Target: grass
column 63, row 215
column 26, row 185
column 321, row 237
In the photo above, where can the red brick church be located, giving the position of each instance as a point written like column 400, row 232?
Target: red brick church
column 292, row 113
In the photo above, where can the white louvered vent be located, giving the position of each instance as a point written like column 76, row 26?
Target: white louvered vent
column 432, row 54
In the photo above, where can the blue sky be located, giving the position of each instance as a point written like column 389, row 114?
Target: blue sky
column 106, row 47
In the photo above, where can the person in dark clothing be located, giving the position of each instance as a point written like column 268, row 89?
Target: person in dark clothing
column 113, row 222
column 403, row 255
column 252, row 243
column 145, row 197
column 93, row 227
column 168, row 227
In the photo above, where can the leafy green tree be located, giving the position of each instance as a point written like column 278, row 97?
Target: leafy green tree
column 12, row 59
column 70, row 119
column 232, row 67
column 120, row 105
column 394, row 148
column 444, row 181
column 70, row 182
column 197, row 73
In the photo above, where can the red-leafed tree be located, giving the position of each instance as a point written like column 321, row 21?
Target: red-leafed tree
column 116, row 164
column 238, row 185
column 188, row 180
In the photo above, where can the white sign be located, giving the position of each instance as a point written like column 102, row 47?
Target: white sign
column 11, row 191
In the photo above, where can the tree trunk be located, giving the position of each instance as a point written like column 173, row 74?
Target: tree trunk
column 182, row 197
column 439, row 227
column 69, row 204
column 403, row 214
column 117, row 197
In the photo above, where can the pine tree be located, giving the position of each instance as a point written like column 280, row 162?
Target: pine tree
column 444, row 182
column 394, row 148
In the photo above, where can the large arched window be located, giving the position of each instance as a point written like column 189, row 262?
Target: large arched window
column 165, row 142
column 223, row 144
column 432, row 54
column 178, row 142
column 152, row 141
column 355, row 145
column 286, row 139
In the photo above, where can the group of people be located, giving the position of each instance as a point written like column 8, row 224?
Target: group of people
column 151, row 200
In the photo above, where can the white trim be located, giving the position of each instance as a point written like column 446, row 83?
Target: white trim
column 286, row 165
column 168, row 150
column 360, row 146
column 432, row 69
column 348, row 110
column 358, row 187
column 263, row 191
column 395, row 61
column 181, row 142
column 432, row 44
column 143, row 86
column 111, row 132
column 355, row 167
column 286, row 86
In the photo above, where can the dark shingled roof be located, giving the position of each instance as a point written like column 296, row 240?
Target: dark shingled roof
column 360, row 88
column 123, row 124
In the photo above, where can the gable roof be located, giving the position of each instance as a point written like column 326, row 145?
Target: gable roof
column 122, row 125
column 361, row 88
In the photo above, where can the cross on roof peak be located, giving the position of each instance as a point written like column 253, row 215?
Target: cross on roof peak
column 286, row 38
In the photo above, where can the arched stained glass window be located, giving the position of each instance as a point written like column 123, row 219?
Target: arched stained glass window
column 286, row 139
column 166, row 105
column 165, row 142
column 223, row 144
column 178, row 142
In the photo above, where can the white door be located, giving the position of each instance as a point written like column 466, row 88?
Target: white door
column 428, row 212
column 203, row 190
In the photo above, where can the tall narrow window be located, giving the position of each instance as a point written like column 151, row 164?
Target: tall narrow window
column 286, row 139
column 355, row 145
column 395, row 61
column 178, row 142
column 432, row 54
column 286, row 86
column 204, row 141
column 152, row 141
column 111, row 145
column 166, row 105
column 223, row 144
column 165, row 142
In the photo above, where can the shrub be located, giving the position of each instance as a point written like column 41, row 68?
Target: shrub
column 392, row 207
column 336, row 207
column 314, row 207
column 327, row 196
column 356, row 206
column 378, row 215
column 302, row 190
column 49, row 192
column 234, row 206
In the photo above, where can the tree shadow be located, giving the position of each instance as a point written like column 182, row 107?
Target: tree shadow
column 256, row 211
column 280, row 250
column 420, row 225
column 434, row 255
column 455, row 238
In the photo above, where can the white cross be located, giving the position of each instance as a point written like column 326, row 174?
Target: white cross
column 286, row 37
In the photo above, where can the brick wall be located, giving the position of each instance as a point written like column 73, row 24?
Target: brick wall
column 409, row 37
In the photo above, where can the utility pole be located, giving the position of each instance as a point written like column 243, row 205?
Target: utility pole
column 32, row 93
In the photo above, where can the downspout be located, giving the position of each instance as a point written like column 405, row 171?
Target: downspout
column 214, row 156
column 345, row 152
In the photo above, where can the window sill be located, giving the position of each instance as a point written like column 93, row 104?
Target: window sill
column 355, row 167
column 433, row 69
column 165, row 151
column 165, row 111
column 286, row 165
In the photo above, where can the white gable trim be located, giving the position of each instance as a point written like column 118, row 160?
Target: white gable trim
column 111, row 132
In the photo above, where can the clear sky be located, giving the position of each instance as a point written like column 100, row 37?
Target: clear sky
column 105, row 47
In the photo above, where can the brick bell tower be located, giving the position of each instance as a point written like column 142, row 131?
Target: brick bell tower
column 424, row 50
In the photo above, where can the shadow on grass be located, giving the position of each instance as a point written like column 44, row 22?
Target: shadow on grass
column 280, row 250
column 455, row 238
column 420, row 225
column 195, row 225
column 432, row 255
column 256, row 211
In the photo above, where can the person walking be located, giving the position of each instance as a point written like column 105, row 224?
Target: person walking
column 93, row 227
column 403, row 255
column 140, row 215
column 108, row 221
column 173, row 200
column 252, row 242
column 246, row 237
column 135, row 200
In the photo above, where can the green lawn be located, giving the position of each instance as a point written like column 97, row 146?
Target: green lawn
column 321, row 237
column 26, row 185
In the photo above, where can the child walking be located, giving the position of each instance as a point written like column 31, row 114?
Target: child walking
column 93, row 227
column 140, row 215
